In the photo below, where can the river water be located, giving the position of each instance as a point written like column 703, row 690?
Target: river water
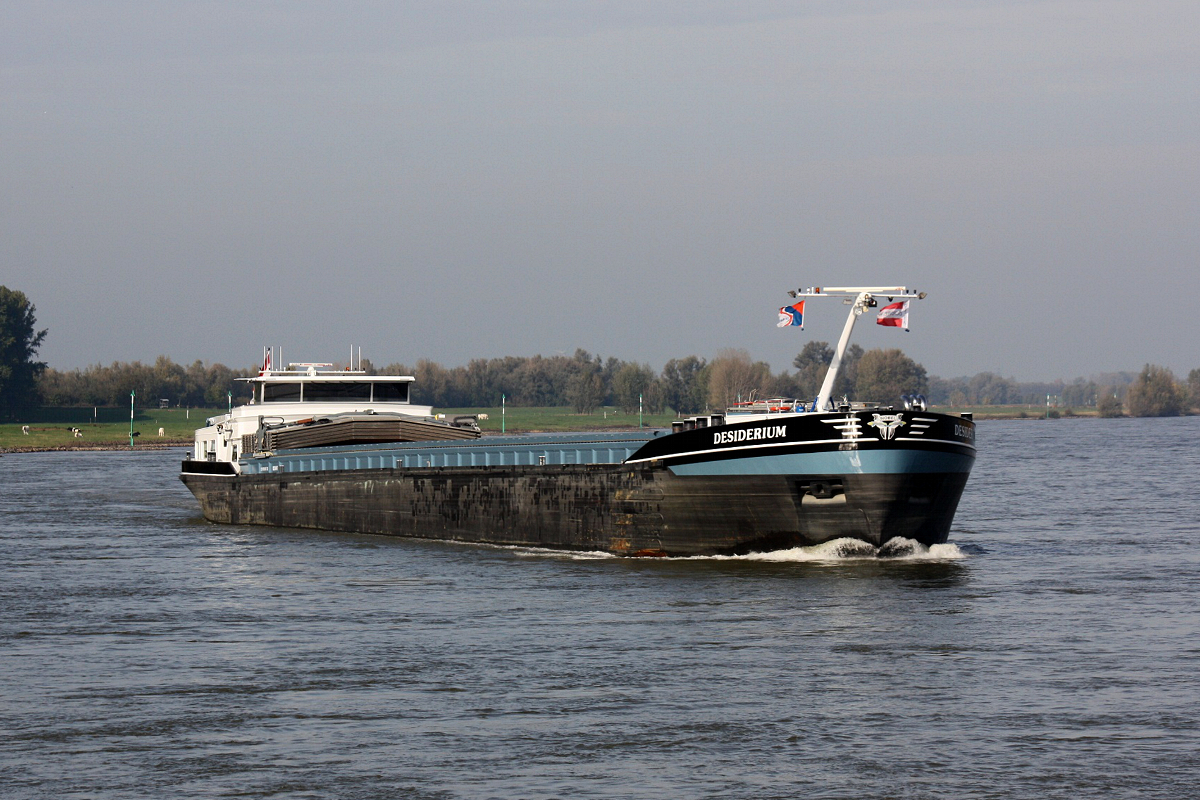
column 1052, row 651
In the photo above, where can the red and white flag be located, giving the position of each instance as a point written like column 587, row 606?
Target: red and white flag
column 266, row 367
column 895, row 315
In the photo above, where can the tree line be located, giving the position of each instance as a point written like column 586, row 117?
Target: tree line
column 583, row 381
column 687, row 385
column 193, row 386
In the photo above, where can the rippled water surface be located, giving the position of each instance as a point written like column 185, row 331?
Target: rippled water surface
column 1052, row 651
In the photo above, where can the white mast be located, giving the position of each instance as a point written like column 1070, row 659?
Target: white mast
column 859, row 298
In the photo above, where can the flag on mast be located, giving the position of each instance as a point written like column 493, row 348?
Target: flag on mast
column 894, row 315
column 266, row 367
column 792, row 315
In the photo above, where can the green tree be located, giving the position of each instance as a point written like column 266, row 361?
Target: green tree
column 586, row 388
column 630, row 385
column 541, row 382
column 885, row 375
column 1079, row 393
column 169, row 379
column 812, row 363
column 685, row 384
column 221, row 384
column 1155, row 393
column 989, row 389
column 655, row 400
column 19, row 343
column 1193, row 386
column 432, row 382
column 947, row 391
column 1107, row 403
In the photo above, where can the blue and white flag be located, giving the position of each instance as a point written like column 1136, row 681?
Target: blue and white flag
column 792, row 315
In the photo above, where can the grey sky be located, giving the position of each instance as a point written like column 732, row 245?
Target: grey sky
column 453, row 180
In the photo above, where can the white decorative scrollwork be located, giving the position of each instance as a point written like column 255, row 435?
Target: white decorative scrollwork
column 886, row 424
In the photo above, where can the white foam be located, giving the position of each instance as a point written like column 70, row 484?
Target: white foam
column 843, row 550
column 543, row 552
column 833, row 552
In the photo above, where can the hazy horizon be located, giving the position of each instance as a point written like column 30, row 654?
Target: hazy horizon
column 460, row 180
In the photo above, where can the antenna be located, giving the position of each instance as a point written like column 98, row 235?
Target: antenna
column 859, row 298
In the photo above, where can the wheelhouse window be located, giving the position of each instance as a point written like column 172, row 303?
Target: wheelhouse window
column 391, row 393
column 325, row 392
column 281, row 392
column 334, row 391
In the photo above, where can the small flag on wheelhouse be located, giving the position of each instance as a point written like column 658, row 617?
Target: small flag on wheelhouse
column 792, row 315
column 895, row 315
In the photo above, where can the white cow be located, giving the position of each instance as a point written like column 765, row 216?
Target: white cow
column 25, row 429
column 161, row 432
column 482, row 416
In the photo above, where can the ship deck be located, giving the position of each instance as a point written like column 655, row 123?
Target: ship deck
column 490, row 451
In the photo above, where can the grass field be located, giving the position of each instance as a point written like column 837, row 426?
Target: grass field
column 524, row 420
column 565, row 419
column 105, row 427
column 1017, row 412
column 109, row 427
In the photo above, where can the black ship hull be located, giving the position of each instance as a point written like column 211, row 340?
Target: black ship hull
column 735, row 489
column 611, row 508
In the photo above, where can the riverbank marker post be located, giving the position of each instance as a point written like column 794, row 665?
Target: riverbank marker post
column 502, row 409
column 132, row 392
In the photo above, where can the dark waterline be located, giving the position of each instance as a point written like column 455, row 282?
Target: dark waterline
column 1054, row 652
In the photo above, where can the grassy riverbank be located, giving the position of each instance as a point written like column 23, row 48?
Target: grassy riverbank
column 108, row 428
column 525, row 420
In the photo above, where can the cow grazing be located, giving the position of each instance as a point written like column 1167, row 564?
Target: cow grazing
column 25, row 430
column 482, row 416
column 77, row 433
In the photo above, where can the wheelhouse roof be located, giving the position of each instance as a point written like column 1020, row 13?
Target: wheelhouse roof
column 327, row 377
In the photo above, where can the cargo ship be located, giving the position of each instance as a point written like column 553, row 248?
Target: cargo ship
column 340, row 450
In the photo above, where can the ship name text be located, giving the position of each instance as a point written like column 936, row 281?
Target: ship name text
column 750, row 434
